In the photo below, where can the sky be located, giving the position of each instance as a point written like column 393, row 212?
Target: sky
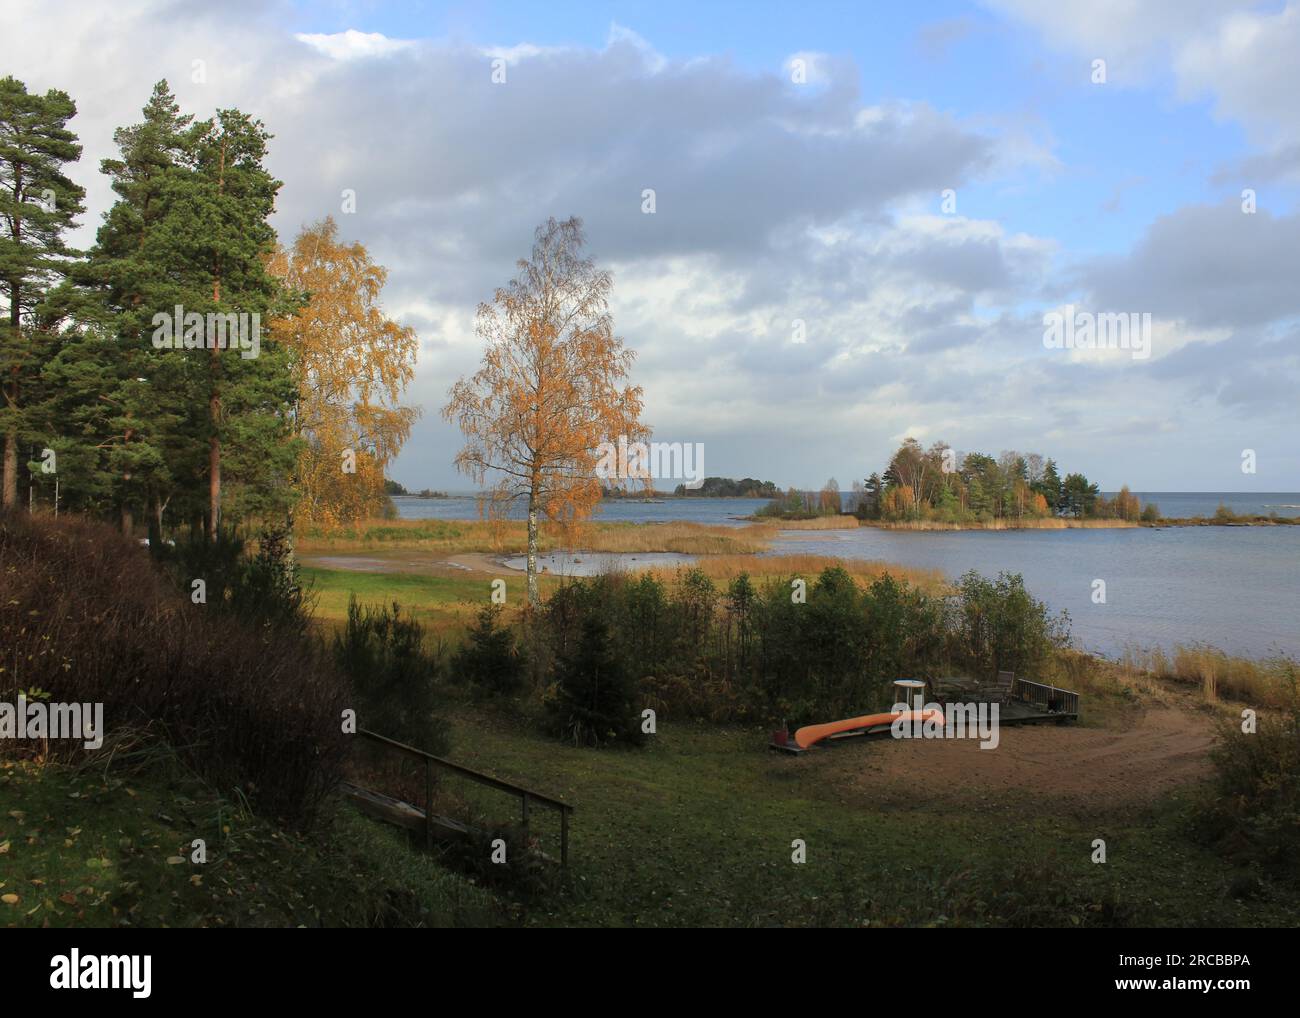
column 862, row 212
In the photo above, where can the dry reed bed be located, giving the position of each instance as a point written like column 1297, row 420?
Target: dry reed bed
column 491, row 537
column 1269, row 681
column 1027, row 524
column 727, row 567
column 1155, row 676
column 816, row 523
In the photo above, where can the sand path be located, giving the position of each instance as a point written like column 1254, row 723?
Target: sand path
column 1080, row 770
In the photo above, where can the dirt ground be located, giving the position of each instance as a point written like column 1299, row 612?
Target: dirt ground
column 1071, row 769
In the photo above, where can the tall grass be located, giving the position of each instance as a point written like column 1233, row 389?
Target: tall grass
column 837, row 522
column 1269, row 681
column 497, row 537
column 728, row 567
column 683, row 538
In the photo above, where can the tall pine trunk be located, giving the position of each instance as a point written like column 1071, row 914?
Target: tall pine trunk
column 214, row 459
column 214, row 401
column 9, row 483
column 10, row 500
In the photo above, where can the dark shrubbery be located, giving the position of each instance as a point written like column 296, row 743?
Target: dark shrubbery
column 489, row 661
column 761, row 653
column 1255, row 816
column 263, row 589
column 395, row 681
column 524, row 875
column 86, row 618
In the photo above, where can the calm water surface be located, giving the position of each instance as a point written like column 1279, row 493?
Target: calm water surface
column 1237, row 588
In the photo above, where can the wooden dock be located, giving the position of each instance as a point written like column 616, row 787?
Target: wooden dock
column 1025, row 703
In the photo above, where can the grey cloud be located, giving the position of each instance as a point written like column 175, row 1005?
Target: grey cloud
column 1282, row 163
column 935, row 39
column 1207, row 266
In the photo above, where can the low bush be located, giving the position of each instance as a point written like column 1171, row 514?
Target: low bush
column 1000, row 626
column 502, row 858
column 1254, row 815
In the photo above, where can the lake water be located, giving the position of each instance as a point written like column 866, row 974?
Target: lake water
column 1237, row 588
column 725, row 511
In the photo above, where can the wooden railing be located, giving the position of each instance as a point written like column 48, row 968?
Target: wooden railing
column 527, row 797
column 1050, row 699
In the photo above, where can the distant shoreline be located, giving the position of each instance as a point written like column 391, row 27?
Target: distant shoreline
column 1054, row 523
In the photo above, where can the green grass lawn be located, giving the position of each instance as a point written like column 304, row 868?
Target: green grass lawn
column 441, row 602
column 697, row 829
column 424, row 595
column 79, row 848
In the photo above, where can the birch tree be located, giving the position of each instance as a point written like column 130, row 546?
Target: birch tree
column 551, row 389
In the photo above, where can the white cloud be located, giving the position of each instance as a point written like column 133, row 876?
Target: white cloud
column 1243, row 56
column 354, row 45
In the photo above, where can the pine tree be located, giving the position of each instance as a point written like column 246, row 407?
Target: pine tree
column 595, row 701
column 38, row 205
column 1049, row 486
column 871, row 491
column 189, row 230
column 217, row 229
column 489, row 660
column 124, row 411
column 1078, row 496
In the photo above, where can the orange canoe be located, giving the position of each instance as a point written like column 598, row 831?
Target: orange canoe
column 810, row 735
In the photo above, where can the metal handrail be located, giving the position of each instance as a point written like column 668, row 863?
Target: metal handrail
column 1041, row 694
column 526, row 795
